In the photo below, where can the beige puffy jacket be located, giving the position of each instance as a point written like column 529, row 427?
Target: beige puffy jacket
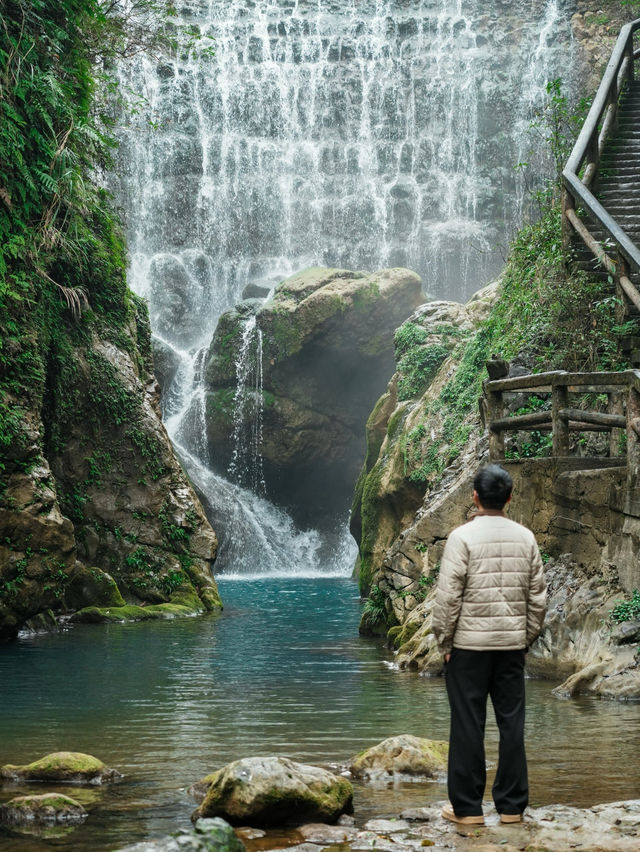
column 491, row 591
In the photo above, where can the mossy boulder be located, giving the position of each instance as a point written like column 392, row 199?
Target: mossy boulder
column 91, row 587
column 263, row 791
column 403, row 755
column 44, row 809
column 69, row 767
column 326, row 344
column 131, row 612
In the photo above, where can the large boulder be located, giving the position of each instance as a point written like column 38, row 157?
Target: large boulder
column 44, row 809
column 401, row 756
column 262, row 791
column 68, row 767
column 293, row 381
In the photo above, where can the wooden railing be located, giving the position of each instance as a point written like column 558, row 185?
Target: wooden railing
column 621, row 418
column 585, row 157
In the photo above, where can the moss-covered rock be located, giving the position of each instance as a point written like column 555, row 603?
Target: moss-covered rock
column 326, row 338
column 179, row 607
column 69, row 767
column 88, row 476
column 262, row 791
column 402, row 755
column 402, row 430
column 91, row 586
column 43, row 809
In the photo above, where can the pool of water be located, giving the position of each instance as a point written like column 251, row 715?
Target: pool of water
column 282, row 670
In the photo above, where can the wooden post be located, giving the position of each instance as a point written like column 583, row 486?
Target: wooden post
column 495, row 412
column 615, row 406
column 633, row 438
column 560, row 425
column 567, row 230
column 623, row 308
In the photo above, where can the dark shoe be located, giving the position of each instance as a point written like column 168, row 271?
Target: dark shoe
column 449, row 813
column 506, row 818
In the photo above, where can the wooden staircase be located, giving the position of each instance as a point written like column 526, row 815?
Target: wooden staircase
column 601, row 200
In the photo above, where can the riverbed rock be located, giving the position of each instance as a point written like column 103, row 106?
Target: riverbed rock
column 208, row 835
column 69, row 767
column 43, row 809
column 326, row 343
column 403, row 756
column 262, row 791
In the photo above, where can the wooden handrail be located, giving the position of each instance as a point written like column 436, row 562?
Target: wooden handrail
column 562, row 419
column 587, row 152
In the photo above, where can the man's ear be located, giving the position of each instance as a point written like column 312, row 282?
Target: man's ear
column 476, row 499
column 509, row 498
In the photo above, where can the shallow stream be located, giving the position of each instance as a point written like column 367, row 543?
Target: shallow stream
column 283, row 671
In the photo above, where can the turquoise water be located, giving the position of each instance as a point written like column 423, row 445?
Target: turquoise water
column 283, row 671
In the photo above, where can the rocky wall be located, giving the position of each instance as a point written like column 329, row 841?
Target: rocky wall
column 95, row 510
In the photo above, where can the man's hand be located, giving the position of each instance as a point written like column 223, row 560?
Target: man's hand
column 447, row 657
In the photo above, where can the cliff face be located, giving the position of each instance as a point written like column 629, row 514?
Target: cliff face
column 407, row 423
column 94, row 508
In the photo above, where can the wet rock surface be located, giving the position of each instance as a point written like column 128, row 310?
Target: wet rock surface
column 313, row 360
column 208, row 835
column 47, row 808
column 613, row 827
column 260, row 791
column 68, row 767
column 401, row 756
column 104, row 489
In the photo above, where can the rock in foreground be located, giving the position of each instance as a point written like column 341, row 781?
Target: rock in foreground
column 43, row 809
column 262, row 791
column 69, row 767
column 404, row 755
column 208, row 835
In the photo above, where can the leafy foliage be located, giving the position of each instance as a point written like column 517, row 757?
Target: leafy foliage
column 627, row 610
column 373, row 611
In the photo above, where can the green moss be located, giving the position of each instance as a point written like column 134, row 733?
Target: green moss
column 284, row 334
column 395, row 423
column 61, row 762
column 131, row 612
column 401, row 633
column 417, row 368
column 220, row 404
column 33, row 804
column 369, row 515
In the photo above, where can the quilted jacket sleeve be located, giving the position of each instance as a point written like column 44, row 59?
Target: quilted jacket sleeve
column 537, row 601
column 451, row 582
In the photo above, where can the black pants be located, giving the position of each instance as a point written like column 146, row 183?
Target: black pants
column 471, row 676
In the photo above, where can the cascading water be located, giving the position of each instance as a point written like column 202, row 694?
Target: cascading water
column 246, row 462
column 354, row 133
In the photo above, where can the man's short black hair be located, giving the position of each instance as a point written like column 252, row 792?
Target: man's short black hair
column 493, row 485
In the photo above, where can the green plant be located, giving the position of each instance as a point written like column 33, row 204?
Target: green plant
column 373, row 611
column 172, row 581
column 626, row 610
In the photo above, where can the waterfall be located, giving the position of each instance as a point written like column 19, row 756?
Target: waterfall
column 245, row 466
column 280, row 134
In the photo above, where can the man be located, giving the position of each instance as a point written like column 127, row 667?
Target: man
column 489, row 607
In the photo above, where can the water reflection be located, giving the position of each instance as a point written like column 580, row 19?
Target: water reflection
column 282, row 670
